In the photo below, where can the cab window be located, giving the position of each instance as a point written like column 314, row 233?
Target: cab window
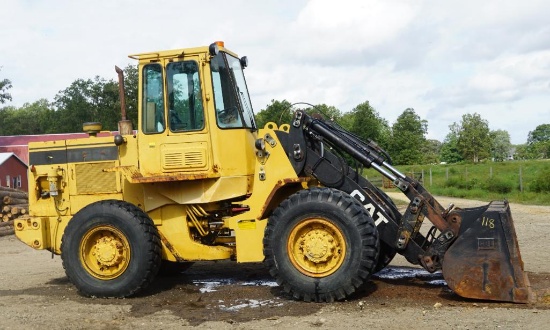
column 233, row 107
column 185, row 108
column 153, row 99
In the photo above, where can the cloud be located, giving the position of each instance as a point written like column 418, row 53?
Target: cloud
column 443, row 59
column 506, row 79
column 351, row 31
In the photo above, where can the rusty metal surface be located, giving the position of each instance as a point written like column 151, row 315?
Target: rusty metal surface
column 484, row 262
column 270, row 198
column 170, row 247
column 121, row 92
column 133, row 175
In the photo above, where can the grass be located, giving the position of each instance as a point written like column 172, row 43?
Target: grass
column 526, row 182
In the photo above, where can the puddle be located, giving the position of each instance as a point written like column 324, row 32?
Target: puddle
column 249, row 303
column 211, row 285
column 396, row 273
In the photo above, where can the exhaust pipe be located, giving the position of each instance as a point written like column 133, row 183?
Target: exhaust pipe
column 124, row 125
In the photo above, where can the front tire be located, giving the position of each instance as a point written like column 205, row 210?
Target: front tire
column 387, row 252
column 173, row 268
column 321, row 245
column 111, row 249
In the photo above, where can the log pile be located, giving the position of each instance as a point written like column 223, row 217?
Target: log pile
column 14, row 204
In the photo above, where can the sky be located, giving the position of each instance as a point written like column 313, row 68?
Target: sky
column 444, row 59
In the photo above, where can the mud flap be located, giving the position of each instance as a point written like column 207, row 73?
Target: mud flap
column 484, row 262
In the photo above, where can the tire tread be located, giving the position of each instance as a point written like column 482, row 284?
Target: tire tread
column 360, row 219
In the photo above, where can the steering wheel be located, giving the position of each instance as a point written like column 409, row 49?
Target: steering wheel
column 228, row 116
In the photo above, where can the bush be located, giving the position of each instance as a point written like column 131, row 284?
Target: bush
column 497, row 185
column 453, row 170
column 460, row 183
column 541, row 182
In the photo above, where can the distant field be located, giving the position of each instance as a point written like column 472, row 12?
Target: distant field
column 526, row 182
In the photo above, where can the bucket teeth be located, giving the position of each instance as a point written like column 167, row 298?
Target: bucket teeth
column 484, row 261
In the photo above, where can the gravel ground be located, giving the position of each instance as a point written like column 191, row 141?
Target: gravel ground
column 35, row 294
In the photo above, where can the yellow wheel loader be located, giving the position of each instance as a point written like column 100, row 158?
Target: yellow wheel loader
column 198, row 180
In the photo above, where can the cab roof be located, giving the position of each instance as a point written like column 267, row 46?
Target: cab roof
column 174, row 53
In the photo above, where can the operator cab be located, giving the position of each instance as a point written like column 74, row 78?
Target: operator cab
column 172, row 95
column 195, row 117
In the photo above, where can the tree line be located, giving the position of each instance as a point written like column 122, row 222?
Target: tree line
column 85, row 100
column 405, row 140
column 97, row 100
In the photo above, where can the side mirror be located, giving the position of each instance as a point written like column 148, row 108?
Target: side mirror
column 244, row 61
column 213, row 49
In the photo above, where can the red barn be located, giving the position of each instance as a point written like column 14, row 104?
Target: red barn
column 13, row 171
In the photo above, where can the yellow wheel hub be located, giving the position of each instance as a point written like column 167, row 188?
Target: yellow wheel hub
column 105, row 252
column 316, row 247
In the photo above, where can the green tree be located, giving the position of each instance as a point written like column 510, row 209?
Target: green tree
column 6, row 118
column 346, row 121
column 474, row 140
column 431, row 151
column 5, row 84
column 540, row 134
column 538, row 142
column 449, row 152
column 365, row 122
column 327, row 112
column 131, row 87
column 31, row 118
column 521, row 151
column 408, row 138
column 87, row 101
column 501, row 146
column 279, row 112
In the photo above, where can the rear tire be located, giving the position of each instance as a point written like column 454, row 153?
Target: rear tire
column 111, row 249
column 321, row 245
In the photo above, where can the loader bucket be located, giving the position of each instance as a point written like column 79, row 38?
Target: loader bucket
column 484, row 261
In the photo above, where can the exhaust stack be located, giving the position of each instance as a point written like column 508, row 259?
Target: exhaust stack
column 124, row 125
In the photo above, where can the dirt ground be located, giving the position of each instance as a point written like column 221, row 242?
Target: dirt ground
column 35, row 294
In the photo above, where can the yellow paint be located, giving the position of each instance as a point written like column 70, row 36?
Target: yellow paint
column 316, row 247
column 165, row 174
column 105, row 252
column 247, row 224
column 279, row 174
column 174, row 227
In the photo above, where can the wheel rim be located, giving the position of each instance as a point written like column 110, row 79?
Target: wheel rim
column 105, row 252
column 316, row 247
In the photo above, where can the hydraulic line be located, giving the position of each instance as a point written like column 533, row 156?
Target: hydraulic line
column 363, row 153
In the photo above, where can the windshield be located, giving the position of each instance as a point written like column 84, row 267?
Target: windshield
column 233, row 107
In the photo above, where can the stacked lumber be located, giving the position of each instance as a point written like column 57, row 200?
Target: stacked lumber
column 14, row 204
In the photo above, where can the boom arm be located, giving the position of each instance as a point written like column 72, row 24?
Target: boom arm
column 309, row 138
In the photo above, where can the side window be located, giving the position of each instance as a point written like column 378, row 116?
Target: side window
column 185, row 106
column 228, row 113
column 153, row 99
column 242, row 91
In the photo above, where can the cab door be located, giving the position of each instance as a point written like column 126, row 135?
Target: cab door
column 175, row 131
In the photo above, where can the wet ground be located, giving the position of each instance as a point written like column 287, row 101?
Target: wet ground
column 235, row 293
column 35, row 294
